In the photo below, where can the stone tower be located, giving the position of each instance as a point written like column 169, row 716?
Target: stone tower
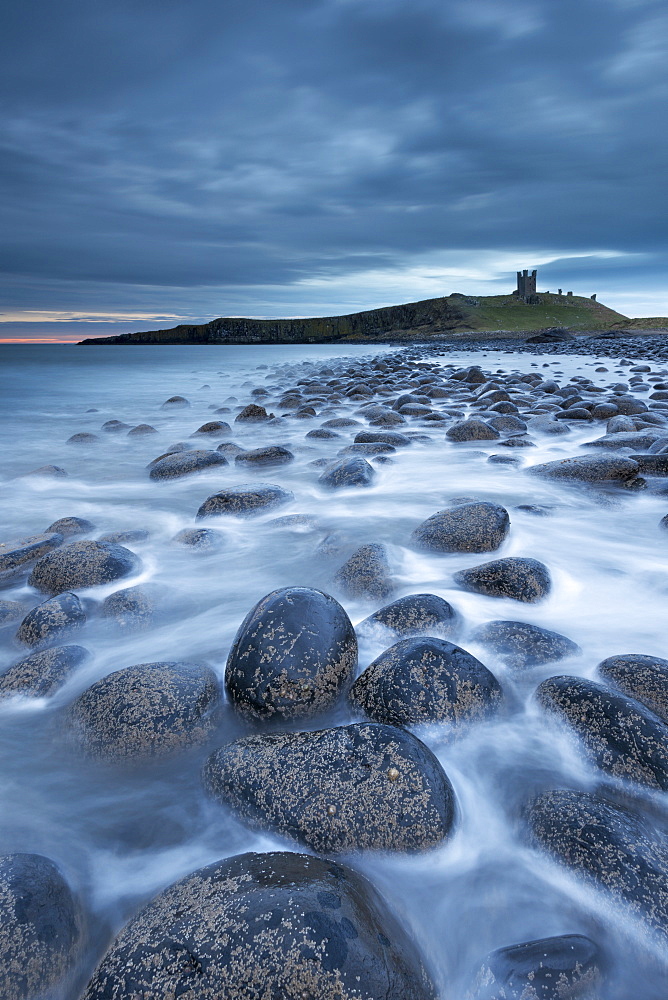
column 526, row 285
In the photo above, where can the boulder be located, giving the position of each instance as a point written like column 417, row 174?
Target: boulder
column 280, row 925
column 215, row 428
column 272, row 455
column 141, row 430
column 354, row 471
column 149, row 710
column 252, row 414
column 133, row 608
column 184, row 463
column 521, row 579
column 472, row 430
column 69, row 527
column 507, row 422
column 40, row 926
column 245, row 500
column 608, row 847
column 426, row 679
column 522, row 645
column 367, row 573
column 175, row 402
column 467, row 527
column 11, row 612
column 19, row 551
column 652, row 465
column 644, row 678
column 83, row 438
column 394, row 438
column 588, row 470
column 554, row 968
column 293, row 654
column 42, row 673
column 82, row 564
column 414, row 614
column 199, row 538
column 619, row 734
column 51, row 621
column 131, row 536
column 636, row 440
column 356, row 787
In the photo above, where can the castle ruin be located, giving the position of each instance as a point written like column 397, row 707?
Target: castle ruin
column 526, row 286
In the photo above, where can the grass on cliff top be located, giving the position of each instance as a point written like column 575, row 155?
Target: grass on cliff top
column 507, row 312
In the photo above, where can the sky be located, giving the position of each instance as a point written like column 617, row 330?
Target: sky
column 167, row 161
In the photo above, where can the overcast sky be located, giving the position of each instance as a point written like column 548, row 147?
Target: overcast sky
column 177, row 160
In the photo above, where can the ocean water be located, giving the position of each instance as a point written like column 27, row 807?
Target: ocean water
column 121, row 834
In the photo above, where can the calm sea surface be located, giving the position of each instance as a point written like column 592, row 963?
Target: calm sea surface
column 121, row 836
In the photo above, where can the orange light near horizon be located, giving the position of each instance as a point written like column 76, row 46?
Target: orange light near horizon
column 47, row 340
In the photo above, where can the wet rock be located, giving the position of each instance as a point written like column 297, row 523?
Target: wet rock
column 608, row 847
column 323, row 433
column 644, row 678
column 293, row 654
column 413, row 615
column 521, row 645
column 19, row 551
column 69, row 527
column 114, row 426
column 272, row 455
column 184, row 463
column 199, row 538
column 468, row 527
column 517, row 441
column 521, row 579
column 54, row 471
column 354, row 471
column 175, row 402
column 11, row 612
column 619, row 735
column 40, row 926
column 134, row 608
column 472, row 430
column 82, row 564
column 588, row 470
column 146, row 711
column 245, row 500
column 252, row 414
column 362, row 786
column 141, row 430
column 83, row 438
column 338, row 423
column 132, row 536
column 568, row 966
column 426, row 680
column 367, row 573
column 215, row 428
column 652, row 465
column 624, row 439
column 42, row 673
column 393, row 438
column 367, row 448
column 628, row 405
column 51, row 621
column 503, row 460
column 507, row 422
column 229, row 449
column 279, row 925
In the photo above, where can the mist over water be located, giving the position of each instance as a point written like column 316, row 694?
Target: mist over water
column 120, row 834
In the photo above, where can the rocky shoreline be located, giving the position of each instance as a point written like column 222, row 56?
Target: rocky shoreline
column 295, row 734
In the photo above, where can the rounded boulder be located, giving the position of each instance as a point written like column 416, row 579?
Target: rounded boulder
column 467, row 527
column 245, row 500
column 521, row 645
column 644, row 678
column 42, row 673
column 525, row 580
column 82, row 564
column 51, row 620
column 413, row 615
column 184, row 463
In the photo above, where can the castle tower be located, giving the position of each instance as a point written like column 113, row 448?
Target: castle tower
column 526, row 284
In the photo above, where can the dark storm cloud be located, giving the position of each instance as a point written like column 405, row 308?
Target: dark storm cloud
column 152, row 147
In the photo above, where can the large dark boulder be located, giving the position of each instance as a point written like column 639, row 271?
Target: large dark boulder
column 40, row 926
column 521, row 645
column 51, row 621
column 608, row 847
column 148, row 710
column 245, row 500
column 367, row 573
column 354, row 471
column 414, row 614
column 70, row 527
column 644, row 678
column 521, row 579
column 362, row 786
column 252, row 414
column 277, row 926
column 184, row 463
column 82, row 564
column 42, row 673
column 555, row 968
column 426, row 680
column 588, row 469
column 472, row 430
column 134, row 608
column 263, row 457
column 467, row 527
column 293, row 654
column 620, row 735
column 19, row 551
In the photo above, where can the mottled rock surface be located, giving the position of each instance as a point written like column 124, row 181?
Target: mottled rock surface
column 521, row 645
column 51, row 620
column 362, row 786
column 245, row 500
column 292, row 655
column 644, row 678
column 19, row 551
column 69, row 527
column 42, row 673
column 261, row 457
column 568, row 967
column 521, row 579
column 426, row 680
column 620, row 735
column 588, row 469
column 348, row 472
column 467, row 527
column 82, row 564
column 413, row 615
column 147, row 710
column 184, row 463
column 472, row 430
column 367, row 573
column 277, row 926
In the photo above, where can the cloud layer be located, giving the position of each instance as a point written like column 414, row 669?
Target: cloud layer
column 193, row 160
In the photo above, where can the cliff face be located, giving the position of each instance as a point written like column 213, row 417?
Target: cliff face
column 412, row 321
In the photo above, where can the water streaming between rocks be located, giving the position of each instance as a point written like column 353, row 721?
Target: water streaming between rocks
column 121, row 834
